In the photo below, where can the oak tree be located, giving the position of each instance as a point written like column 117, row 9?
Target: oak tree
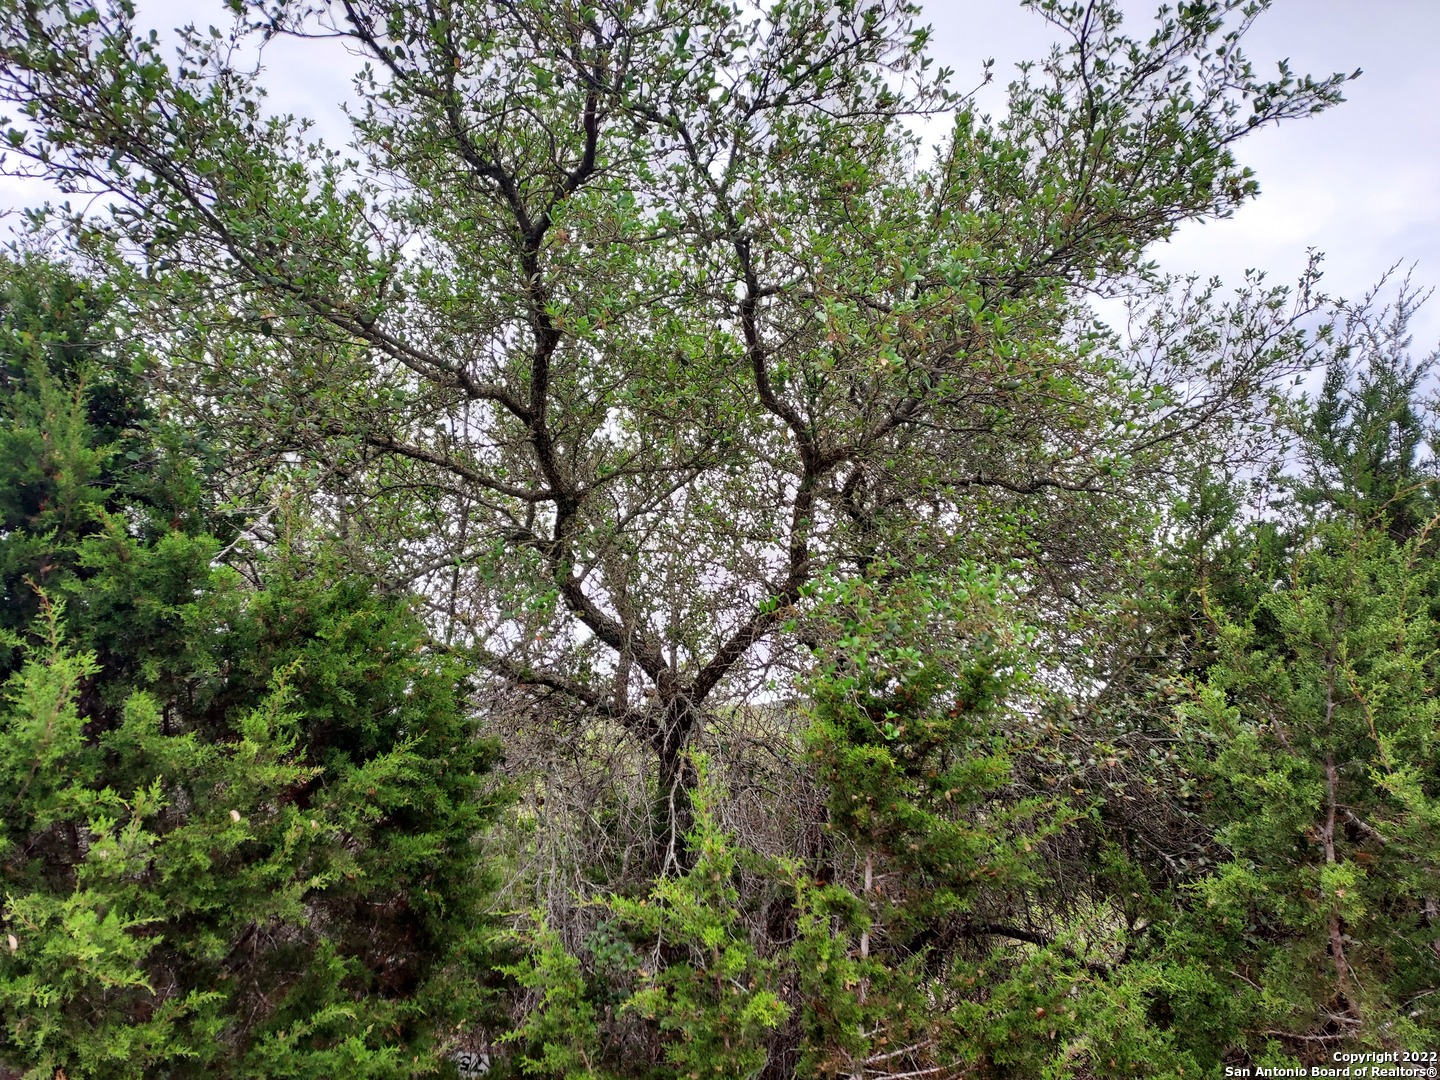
column 615, row 323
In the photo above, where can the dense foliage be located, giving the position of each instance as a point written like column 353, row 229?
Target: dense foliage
column 240, row 818
column 1320, row 702
column 898, row 671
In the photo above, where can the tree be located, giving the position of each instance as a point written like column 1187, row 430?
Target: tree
column 240, row 818
column 1287, row 685
column 1324, row 682
column 78, row 441
column 618, row 323
column 1321, row 708
column 1369, row 439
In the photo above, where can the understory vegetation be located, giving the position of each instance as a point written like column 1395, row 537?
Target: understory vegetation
column 638, row 566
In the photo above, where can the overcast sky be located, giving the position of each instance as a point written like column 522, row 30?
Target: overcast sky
column 1360, row 183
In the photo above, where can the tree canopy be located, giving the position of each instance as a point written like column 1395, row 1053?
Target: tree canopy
column 882, row 645
column 664, row 306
